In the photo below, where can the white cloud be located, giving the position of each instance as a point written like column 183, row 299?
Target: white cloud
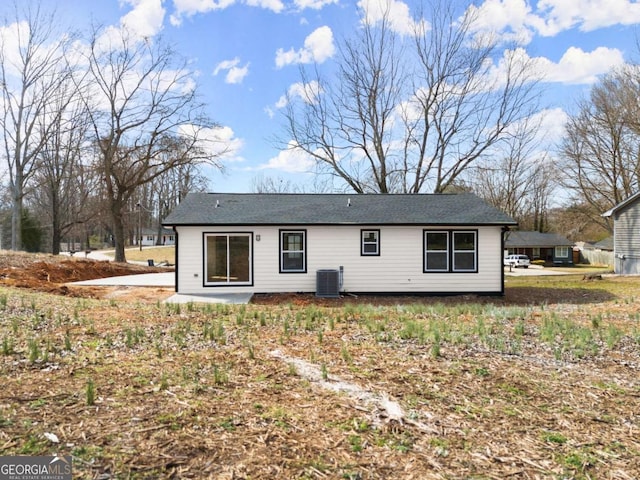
column 274, row 5
column 189, row 8
column 318, row 47
column 552, row 123
column 517, row 20
column 575, row 67
column 292, row 160
column 512, row 18
column 235, row 74
column 579, row 67
column 397, row 13
column 313, row 4
column 145, row 19
column 308, row 92
column 269, row 111
column 218, row 141
column 588, row 15
column 10, row 45
column 142, row 23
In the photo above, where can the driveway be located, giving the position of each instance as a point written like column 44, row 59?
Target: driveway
column 163, row 279
column 532, row 271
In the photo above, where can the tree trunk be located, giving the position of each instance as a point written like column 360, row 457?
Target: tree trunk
column 56, row 235
column 16, row 216
column 118, row 229
column 56, row 238
column 118, row 235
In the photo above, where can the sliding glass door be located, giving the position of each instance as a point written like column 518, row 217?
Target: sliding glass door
column 227, row 259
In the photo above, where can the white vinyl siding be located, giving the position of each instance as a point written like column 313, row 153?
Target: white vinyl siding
column 395, row 270
column 626, row 240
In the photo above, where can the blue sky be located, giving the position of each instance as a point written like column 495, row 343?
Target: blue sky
column 246, row 54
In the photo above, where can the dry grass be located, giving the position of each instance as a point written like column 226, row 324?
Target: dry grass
column 157, row 254
column 369, row 388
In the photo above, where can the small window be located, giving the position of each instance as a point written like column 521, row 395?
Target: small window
column 293, row 258
column 436, row 258
column 464, row 251
column 370, row 243
column 562, row 252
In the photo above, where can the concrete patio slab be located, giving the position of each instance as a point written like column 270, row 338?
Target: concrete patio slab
column 167, row 279
column 234, row 298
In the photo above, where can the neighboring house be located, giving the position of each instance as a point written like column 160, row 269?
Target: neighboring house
column 150, row 237
column 626, row 235
column 552, row 248
column 330, row 243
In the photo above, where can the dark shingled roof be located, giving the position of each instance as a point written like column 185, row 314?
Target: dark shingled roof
column 535, row 239
column 330, row 209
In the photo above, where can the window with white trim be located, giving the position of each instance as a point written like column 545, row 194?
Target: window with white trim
column 293, row 258
column 562, row 252
column 464, row 252
column 370, row 242
column 436, row 251
column 453, row 251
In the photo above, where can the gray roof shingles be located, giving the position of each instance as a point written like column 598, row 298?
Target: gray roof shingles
column 339, row 209
column 535, row 239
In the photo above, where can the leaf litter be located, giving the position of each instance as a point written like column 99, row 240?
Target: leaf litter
column 298, row 387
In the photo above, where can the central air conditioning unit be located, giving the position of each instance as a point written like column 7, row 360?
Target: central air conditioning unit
column 328, row 283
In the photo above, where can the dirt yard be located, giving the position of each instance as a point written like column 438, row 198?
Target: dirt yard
column 51, row 274
column 541, row 384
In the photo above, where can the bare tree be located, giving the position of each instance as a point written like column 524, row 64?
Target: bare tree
column 265, row 184
column 602, row 143
column 145, row 118
column 537, row 208
column 518, row 179
column 409, row 114
column 63, row 184
column 32, row 67
column 172, row 186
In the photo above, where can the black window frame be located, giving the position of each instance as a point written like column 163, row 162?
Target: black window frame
column 451, row 251
column 281, row 252
column 208, row 284
column 362, row 242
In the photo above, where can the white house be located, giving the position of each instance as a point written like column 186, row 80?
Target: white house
column 330, row 243
column 626, row 235
column 150, row 237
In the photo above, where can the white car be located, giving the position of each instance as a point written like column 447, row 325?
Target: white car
column 517, row 261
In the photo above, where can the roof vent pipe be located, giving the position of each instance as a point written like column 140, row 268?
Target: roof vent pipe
column 217, row 203
column 348, row 202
